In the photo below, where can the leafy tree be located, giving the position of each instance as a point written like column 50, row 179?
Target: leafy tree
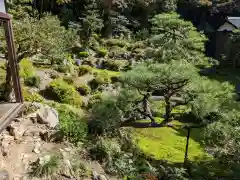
column 91, row 20
column 175, row 38
column 44, row 38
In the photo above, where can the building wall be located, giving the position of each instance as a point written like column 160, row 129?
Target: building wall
column 222, row 44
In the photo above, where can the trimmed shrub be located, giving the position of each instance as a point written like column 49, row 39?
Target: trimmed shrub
column 102, row 52
column 84, row 69
column 118, row 53
column 116, row 42
column 83, row 89
column 26, row 68
column 83, row 54
column 31, row 96
column 72, row 124
column 62, row 92
column 68, row 79
column 115, row 65
column 33, row 81
column 106, row 149
column 100, row 79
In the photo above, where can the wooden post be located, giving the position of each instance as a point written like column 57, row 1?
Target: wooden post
column 186, row 150
column 12, row 60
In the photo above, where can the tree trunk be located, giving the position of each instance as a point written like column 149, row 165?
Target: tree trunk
column 168, row 109
column 147, row 109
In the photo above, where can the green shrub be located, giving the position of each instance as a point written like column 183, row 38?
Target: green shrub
column 84, row 69
column 73, row 125
column 118, row 53
column 106, row 116
column 62, row 92
column 83, row 89
column 115, row 65
column 83, row 54
column 102, row 52
column 101, row 78
column 115, row 79
column 45, row 166
column 31, row 96
column 33, row 81
column 116, row 42
column 106, row 149
column 95, row 98
column 68, row 79
column 26, row 68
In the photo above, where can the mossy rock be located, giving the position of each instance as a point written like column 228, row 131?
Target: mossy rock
column 62, row 92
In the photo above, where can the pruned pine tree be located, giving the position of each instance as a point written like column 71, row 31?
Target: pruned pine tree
column 175, row 38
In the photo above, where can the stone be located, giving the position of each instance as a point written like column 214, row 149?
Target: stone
column 4, row 175
column 5, row 144
column 47, row 115
column 16, row 131
column 37, row 147
column 102, row 177
column 95, row 175
column 34, row 131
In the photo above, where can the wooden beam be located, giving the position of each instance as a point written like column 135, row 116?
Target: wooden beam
column 12, row 59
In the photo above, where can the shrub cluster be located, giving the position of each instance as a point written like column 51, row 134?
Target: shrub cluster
column 72, row 124
column 62, row 92
column 84, row 69
column 31, row 96
column 100, row 78
column 116, row 42
column 33, row 81
column 115, row 65
column 102, row 52
column 83, row 89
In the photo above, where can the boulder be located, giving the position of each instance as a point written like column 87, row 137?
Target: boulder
column 47, row 115
column 4, row 175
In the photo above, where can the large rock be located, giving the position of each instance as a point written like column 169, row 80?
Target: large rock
column 4, row 175
column 47, row 115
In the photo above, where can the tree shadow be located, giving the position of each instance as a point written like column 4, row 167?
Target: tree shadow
column 223, row 74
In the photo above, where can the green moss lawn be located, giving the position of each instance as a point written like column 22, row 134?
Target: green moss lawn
column 169, row 144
